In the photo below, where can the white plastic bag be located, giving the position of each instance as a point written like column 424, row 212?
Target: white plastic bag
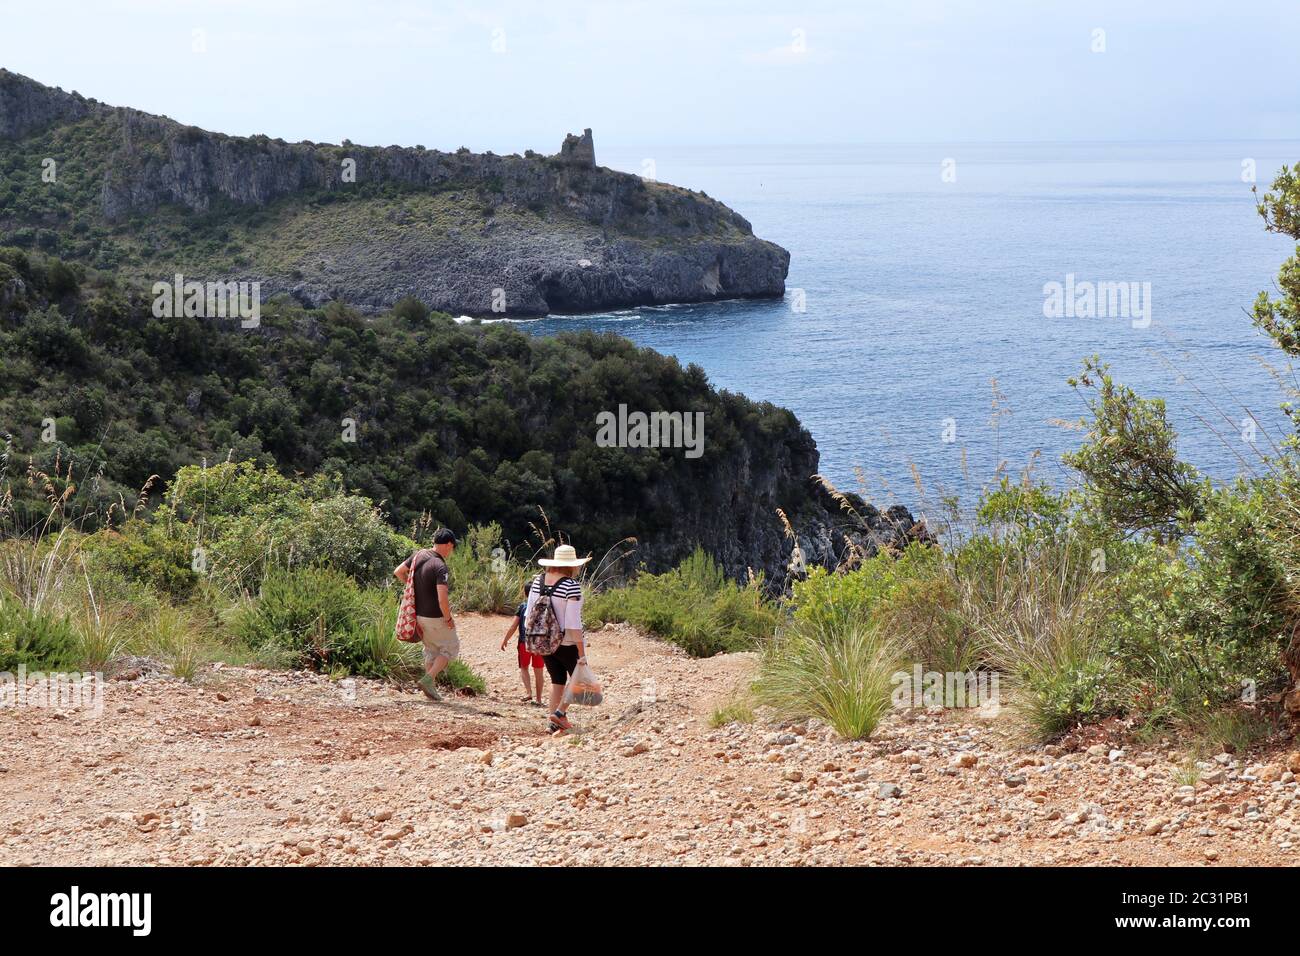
column 583, row 687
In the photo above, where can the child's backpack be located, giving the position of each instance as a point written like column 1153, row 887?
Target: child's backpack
column 543, row 631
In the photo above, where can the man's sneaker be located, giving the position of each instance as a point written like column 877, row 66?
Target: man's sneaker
column 559, row 721
column 430, row 691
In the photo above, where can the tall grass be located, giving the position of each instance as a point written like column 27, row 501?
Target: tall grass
column 374, row 648
column 179, row 638
column 841, row 675
column 1041, row 615
column 487, row 576
column 37, row 559
column 738, row 709
column 103, row 634
column 1236, row 730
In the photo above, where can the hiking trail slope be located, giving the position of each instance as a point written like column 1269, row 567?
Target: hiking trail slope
column 251, row 767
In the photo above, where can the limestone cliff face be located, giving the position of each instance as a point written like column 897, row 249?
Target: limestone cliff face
column 732, row 515
column 27, row 106
column 546, row 234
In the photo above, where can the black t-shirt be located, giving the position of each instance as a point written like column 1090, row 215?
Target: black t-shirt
column 519, row 613
column 430, row 571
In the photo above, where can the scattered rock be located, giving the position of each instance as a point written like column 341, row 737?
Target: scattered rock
column 1155, row 825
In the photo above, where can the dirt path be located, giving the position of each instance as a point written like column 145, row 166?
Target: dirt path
column 254, row 767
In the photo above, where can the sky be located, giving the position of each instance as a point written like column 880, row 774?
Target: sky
column 508, row 76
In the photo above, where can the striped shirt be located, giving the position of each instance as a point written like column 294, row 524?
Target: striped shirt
column 566, row 601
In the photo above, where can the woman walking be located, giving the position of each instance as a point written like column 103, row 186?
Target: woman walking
column 557, row 585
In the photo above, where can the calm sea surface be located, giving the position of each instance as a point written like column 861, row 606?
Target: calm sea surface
column 920, row 293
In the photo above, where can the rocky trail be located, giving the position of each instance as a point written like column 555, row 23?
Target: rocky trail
column 249, row 767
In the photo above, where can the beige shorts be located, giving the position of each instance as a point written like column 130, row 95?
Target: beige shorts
column 439, row 640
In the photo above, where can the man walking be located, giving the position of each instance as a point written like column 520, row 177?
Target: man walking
column 433, row 606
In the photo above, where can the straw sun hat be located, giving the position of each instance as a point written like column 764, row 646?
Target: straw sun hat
column 565, row 557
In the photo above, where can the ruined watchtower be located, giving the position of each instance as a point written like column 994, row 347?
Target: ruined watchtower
column 578, row 150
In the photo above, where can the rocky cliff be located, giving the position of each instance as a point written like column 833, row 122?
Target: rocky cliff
column 478, row 234
column 464, row 423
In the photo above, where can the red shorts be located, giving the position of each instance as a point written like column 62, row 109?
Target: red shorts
column 525, row 658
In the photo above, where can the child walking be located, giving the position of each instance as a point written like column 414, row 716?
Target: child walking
column 533, row 690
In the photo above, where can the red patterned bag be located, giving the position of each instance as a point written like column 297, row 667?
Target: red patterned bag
column 408, row 627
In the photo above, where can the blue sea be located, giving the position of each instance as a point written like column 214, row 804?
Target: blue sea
column 921, row 291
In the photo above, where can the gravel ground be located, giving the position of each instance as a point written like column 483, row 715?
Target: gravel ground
column 250, row 767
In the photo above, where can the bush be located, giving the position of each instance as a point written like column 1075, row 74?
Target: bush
column 460, row 676
column 246, row 519
column 312, row 613
column 915, row 597
column 1193, row 628
column 149, row 554
column 693, row 606
column 411, row 310
column 840, row 675
column 1129, row 462
column 317, row 618
column 35, row 640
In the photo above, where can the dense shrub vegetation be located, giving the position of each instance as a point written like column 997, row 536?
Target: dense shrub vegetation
column 239, row 563
column 694, row 606
column 465, row 424
column 1087, row 616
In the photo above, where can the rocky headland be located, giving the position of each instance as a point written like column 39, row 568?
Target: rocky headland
column 466, row 233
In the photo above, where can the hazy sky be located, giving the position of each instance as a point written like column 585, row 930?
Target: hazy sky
column 513, row 75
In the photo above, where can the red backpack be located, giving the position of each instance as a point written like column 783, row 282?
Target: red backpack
column 407, row 629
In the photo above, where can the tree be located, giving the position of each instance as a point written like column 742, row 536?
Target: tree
column 1129, row 462
column 1280, row 319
